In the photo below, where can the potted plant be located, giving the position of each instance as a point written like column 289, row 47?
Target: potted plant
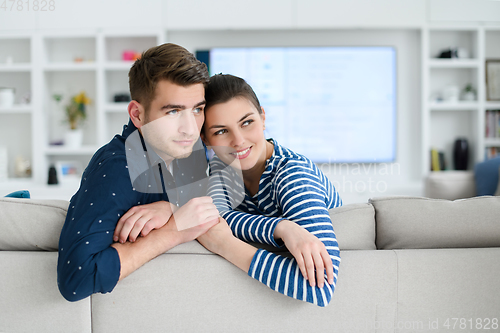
column 469, row 93
column 75, row 113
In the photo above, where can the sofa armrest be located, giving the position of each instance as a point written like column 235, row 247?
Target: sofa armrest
column 450, row 185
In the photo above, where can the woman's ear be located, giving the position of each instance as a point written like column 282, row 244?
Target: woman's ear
column 263, row 116
column 136, row 113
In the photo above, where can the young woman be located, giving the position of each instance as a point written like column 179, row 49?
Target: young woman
column 283, row 199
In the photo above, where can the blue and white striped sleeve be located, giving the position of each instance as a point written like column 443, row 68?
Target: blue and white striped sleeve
column 227, row 193
column 304, row 199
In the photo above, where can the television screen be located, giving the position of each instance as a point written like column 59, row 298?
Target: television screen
column 332, row 104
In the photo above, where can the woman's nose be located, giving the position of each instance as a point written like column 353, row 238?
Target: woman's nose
column 237, row 139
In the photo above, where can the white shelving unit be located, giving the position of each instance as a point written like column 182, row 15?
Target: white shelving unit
column 443, row 122
column 16, row 125
column 492, row 51
column 63, row 63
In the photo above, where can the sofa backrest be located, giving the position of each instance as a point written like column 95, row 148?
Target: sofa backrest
column 354, row 226
column 35, row 225
column 31, row 225
column 401, row 223
column 422, row 223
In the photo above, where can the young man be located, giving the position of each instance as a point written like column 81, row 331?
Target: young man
column 148, row 167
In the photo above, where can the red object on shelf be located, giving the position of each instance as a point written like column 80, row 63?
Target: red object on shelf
column 128, row 55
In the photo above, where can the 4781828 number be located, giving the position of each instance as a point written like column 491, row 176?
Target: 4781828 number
column 471, row 323
column 28, row 5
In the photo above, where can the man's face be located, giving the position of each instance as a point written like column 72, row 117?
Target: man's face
column 173, row 123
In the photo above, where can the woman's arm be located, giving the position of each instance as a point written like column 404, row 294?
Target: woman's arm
column 279, row 273
column 228, row 192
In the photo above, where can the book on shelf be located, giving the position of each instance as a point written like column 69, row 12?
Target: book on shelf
column 437, row 160
column 492, row 124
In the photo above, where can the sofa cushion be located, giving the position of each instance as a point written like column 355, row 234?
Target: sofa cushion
column 31, row 225
column 422, row 223
column 354, row 226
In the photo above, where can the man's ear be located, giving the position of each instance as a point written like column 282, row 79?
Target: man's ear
column 202, row 136
column 136, row 113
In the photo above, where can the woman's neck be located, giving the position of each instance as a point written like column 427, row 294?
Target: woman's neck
column 251, row 177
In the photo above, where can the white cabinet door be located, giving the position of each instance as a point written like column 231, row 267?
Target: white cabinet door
column 360, row 13
column 228, row 14
column 464, row 11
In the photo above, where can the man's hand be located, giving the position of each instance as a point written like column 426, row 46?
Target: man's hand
column 308, row 250
column 195, row 212
column 216, row 236
column 141, row 220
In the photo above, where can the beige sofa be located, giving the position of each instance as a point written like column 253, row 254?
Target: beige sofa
column 408, row 265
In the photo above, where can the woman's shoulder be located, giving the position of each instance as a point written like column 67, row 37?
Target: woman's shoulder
column 287, row 159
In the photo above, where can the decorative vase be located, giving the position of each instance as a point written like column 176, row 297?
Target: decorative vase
column 74, row 138
column 461, row 154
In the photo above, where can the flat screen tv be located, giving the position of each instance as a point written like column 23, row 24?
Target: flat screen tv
column 332, row 104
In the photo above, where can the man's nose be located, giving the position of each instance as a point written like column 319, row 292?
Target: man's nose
column 188, row 123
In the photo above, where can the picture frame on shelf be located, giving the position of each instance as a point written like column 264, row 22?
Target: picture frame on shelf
column 68, row 171
column 493, row 80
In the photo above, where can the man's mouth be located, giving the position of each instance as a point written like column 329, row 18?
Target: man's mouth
column 184, row 142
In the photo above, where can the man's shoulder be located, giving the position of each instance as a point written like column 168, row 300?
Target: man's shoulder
column 110, row 158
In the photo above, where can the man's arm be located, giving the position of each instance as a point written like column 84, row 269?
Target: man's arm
column 134, row 255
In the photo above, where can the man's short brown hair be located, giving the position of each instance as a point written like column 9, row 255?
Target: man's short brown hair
column 164, row 62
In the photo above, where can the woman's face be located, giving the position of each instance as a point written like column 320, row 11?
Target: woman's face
column 235, row 130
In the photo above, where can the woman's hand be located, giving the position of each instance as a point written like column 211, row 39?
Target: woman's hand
column 308, row 250
column 141, row 220
column 216, row 236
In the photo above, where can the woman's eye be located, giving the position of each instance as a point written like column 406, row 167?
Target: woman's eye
column 222, row 131
column 247, row 122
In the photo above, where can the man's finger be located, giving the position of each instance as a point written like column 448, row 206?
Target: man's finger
column 127, row 227
column 121, row 222
column 138, row 226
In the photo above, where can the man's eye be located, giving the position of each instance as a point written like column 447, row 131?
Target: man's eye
column 198, row 110
column 172, row 112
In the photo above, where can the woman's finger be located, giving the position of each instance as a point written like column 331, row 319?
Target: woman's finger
column 320, row 268
column 328, row 265
column 300, row 263
column 308, row 259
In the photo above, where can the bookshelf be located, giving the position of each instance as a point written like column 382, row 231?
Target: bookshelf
column 444, row 121
column 66, row 63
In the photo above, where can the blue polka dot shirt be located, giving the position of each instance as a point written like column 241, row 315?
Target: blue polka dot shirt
column 87, row 263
